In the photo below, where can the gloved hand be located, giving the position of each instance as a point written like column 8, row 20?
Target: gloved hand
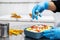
column 52, row 34
column 38, row 9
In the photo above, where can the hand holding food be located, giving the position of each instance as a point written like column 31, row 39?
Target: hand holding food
column 53, row 33
column 38, row 9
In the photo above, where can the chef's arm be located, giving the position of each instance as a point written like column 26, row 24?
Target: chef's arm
column 40, row 7
column 52, row 6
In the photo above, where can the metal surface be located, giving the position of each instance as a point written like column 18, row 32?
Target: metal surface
column 4, row 27
column 20, row 37
column 26, row 38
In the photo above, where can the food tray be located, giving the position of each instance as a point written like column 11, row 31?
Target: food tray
column 33, row 34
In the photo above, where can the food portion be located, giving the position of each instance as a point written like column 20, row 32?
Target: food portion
column 30, row 14
column 15, row 32
column 14, row 15
column 40, row 28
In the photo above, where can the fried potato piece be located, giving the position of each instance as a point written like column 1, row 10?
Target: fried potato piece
column 10, row 32
column 15, row 32
column 30, row 14
column 14, row 15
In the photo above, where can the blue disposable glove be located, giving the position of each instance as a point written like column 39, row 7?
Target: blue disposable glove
column 38, row 9
column 52, row 34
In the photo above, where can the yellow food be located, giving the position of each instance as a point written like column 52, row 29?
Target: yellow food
column 14, row 15
column 30, row 14
column 15, row 32
column 20, row 31
column 40, row 28
column 18, row 16
column 28, row 29
column 10, row 33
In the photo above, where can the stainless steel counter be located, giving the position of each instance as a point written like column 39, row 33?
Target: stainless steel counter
column 4, row 38
column 23, row 38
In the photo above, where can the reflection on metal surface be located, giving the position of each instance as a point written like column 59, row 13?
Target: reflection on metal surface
column 0, row 32
column 4, row 38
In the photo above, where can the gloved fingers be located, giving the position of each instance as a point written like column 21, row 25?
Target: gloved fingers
column 33, row 17
column 52, row 34
column 33, row 13
column 34, row 8
column 49, row 35
column 47, row 31
column 38, row 11
column 36, row 17
column 40, row 15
